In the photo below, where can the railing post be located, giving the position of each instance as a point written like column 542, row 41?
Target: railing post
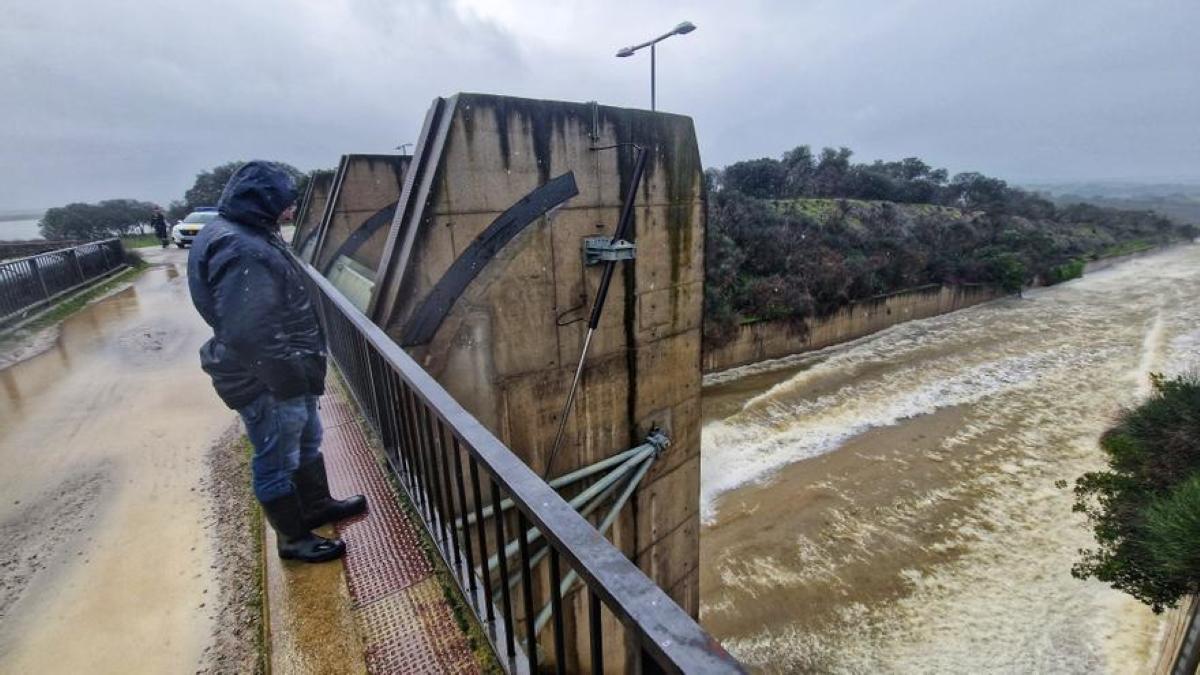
column 37, row 272
column 74, row 256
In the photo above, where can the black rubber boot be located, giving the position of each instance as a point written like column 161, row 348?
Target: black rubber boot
column 295, row 541
column 320, row 508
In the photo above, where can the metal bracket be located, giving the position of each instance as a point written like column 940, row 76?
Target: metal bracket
column 659, row 439
column 594, row 135
column 600, row 249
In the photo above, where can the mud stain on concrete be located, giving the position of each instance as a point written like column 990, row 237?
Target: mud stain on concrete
column 233, row 519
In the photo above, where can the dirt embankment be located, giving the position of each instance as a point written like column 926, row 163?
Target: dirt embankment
column 233, row 519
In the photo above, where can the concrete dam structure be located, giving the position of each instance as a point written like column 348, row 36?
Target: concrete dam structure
column 481, row 272
column 356, row 213
column 311, row 212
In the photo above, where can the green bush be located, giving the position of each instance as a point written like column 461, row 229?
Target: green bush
column 1144, row 510
column 1066, row 272
column 1173, row 530
column 1006, row 270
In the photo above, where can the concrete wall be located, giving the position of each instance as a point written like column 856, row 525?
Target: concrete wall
column 311, row 213
column 358, row 203
column 774, row 339
column 364, row 186
column 508, row 348
column 1179, row 640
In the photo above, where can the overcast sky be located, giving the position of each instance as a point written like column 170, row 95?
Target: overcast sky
column 131, row 99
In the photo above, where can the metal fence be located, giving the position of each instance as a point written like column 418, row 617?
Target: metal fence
column 30, row 284
column 24, row 248
column 452, row 467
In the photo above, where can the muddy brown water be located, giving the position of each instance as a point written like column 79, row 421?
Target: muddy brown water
column 108, row 563
column 890, row 505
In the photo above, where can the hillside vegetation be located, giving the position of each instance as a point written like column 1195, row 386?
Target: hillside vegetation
column 805, row 235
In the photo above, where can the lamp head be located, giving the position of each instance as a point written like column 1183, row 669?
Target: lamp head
column 625, row 51
column 684, row 28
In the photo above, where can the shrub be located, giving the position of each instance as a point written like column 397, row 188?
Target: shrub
column 1144, row 510
column 1065, row 272
column 1006, row 270
column 1173, row 530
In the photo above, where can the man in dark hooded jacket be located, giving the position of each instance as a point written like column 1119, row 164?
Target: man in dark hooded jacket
column 267, row 355
column 159, row 223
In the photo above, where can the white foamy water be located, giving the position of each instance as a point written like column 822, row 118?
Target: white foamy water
column 756, row 445
column 1036, row 380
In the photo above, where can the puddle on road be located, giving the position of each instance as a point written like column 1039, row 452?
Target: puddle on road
column 118, row 403
column 81, row 336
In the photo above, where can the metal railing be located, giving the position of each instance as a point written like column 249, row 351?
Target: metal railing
column 30, row 284
column 444, row 459
column 25, row 248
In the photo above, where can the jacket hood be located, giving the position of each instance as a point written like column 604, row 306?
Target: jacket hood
column 256, row 194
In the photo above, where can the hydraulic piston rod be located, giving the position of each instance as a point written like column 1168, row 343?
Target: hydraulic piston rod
column 639, row 167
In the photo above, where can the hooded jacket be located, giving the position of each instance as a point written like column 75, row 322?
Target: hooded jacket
column 251, row 291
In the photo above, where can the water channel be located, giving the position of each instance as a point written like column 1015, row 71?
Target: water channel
column 889, row 505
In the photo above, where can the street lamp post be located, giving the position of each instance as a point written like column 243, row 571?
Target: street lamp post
column 682, row 29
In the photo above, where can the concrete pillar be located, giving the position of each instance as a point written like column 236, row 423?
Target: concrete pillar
column 311, row 213
column 348, row 243
column 508, row 347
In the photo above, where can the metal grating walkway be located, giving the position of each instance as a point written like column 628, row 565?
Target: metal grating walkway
column 405, row 622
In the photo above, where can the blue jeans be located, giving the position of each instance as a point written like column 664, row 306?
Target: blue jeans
column 286, row 434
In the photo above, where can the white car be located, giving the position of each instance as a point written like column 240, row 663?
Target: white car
column 186, row 230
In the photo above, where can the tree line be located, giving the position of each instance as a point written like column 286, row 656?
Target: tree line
column 805, row 235
column 800, row 174
column 123, row 217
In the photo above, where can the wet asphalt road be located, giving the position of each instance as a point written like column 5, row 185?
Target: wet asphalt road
column 108, row 566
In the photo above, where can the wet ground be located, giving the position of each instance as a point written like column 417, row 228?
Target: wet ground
column 890, row 505
column 109, row 564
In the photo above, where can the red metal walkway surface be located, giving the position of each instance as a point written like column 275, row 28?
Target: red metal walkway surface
column 406, row 623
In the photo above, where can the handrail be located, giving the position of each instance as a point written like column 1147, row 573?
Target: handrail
column 370, row 361
column 61, row 250
column 34, row 282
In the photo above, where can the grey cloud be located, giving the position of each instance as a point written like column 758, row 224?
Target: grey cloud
column 115, row 98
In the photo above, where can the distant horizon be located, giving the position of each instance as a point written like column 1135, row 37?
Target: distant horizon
column 8, row 214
